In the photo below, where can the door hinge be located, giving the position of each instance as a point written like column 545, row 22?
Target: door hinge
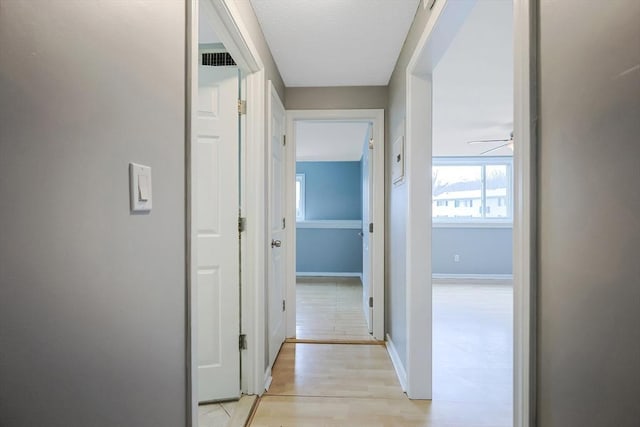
column 242, row 107
column 284, row 140
column 371, row 144
column 370, row 227
column 242, row 224
column 242, row 342
column 284, row 223
column 284, row 305
column 370, row 302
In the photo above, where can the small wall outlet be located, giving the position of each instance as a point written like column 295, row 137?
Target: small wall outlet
column 456, row 258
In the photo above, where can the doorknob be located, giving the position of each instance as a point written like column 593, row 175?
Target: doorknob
column 276, row 243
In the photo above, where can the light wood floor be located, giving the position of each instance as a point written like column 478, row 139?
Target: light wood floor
column 330, row 309
column 351, row 385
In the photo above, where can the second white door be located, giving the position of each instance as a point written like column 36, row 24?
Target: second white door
column 276, row 289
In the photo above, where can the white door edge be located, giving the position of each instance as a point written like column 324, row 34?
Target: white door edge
column 377, row 242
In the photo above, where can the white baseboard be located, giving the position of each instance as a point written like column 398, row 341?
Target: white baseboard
column 397, row 364
column 325, row 274
column 267, row 379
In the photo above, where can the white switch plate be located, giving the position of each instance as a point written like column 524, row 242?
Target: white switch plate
column 140, row 187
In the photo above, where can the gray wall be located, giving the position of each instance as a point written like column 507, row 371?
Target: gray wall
column 92, row 298
column 327, row 98
column 481, row 250
column 589, row 202
column 396, row 196
column 254, row 32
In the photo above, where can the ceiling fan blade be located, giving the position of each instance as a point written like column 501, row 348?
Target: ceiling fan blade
column 495, row 148
column 484, row 141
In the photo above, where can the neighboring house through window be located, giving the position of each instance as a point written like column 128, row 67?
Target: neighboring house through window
column 472, row 189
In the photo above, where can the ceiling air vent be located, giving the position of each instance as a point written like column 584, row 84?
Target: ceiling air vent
column 217, row 59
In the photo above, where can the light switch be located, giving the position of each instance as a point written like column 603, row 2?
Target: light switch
column 143, row 188
column 140, row 187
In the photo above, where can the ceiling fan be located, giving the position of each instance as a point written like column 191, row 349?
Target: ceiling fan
column 504, row 143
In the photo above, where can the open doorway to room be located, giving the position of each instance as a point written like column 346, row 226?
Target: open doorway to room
column 472, row 213
column 225, row 278
column 489, row 357
column 216, row 199
column 332, row 179
column 336, row 283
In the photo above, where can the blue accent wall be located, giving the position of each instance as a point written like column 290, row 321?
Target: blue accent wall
column 481, row 250
column 333, row 190
column 326, row 250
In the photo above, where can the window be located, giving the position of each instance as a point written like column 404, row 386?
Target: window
column 300, row 197
column 472, row 189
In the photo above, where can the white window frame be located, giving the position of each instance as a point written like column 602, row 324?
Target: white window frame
column 301, row 179
column 483, row 162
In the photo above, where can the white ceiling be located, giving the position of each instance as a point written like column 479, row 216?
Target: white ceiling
column 473, row 83
column 335, row 42
column 330, row 140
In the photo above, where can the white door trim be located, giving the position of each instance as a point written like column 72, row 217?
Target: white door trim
column 524, row 211
column 232, row 32
column 441, row 23
column 377, row 117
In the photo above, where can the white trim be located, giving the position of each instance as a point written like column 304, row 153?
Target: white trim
column 191, row 92
column 326, row 274
column 397, row 363
column 473, row 277
column 335, row 223
column 440, row 224
column 377, row 242
column 524, row 209
column 267, row 379
column 442, row 26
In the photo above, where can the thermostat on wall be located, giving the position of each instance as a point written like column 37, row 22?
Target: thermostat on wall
column 140, row 187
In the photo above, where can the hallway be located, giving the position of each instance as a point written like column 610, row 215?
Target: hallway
column 356, row 385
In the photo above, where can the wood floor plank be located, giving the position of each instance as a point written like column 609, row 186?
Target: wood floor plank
column 330, row 308
column 334, row 370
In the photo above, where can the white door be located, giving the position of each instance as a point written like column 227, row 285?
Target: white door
column 367, row 209
column 215, row 222
column 276, row 289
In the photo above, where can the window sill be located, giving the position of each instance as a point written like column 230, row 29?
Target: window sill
column 467, row 224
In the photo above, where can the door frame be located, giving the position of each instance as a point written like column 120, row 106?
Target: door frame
column 377, row 117
column 441, row 26
column 226, row 19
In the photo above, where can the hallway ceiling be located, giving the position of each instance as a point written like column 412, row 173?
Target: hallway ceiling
column 335, row 42
column 323, row 141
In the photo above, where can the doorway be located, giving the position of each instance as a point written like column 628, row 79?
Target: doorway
column 225, row 169
column 446, row 19
column 337, row 198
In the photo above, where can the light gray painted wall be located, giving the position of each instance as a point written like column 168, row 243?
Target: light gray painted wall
column 328, row 98
column 396, row 196
column 92, row 298
column 481, row 250
column 254, row 32
column 589, row 232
